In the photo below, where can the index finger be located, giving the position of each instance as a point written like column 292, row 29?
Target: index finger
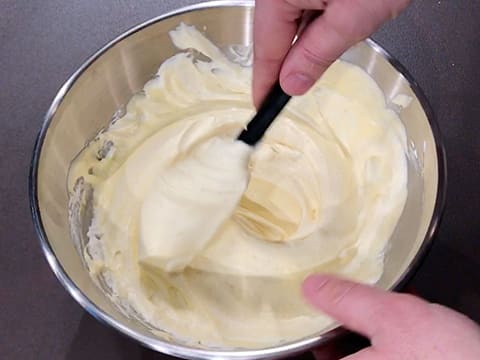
column 275, row 26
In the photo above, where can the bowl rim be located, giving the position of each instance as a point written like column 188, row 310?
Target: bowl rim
column 183, row 350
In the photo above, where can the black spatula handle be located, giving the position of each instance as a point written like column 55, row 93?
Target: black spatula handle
column 268, row 111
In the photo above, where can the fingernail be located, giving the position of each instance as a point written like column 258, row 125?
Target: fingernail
column 298, row 83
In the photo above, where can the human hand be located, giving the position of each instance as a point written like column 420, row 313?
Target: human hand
column 342, row 24
column 399, row 326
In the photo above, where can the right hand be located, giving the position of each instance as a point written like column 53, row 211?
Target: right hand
column 399, row 326
column 342, row 24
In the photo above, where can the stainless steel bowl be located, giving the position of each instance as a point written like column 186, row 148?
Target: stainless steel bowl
column 86, row 102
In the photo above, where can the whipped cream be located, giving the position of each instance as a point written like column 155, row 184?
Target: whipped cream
column 322, row 192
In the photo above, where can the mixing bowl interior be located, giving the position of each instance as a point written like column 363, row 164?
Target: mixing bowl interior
column 85, row 105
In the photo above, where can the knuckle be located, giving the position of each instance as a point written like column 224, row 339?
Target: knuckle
column 314, row 57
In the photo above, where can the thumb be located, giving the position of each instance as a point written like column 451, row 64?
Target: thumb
column 361, row 308
column 343, row 24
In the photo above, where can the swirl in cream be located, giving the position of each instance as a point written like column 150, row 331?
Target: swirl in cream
column 325, row 189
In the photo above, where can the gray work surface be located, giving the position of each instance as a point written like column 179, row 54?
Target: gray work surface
column 43, row 42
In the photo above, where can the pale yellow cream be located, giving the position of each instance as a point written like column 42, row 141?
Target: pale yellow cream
column 324, row 191
column 189, row 202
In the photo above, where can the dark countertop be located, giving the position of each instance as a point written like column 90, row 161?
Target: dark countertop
column 43, row 42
